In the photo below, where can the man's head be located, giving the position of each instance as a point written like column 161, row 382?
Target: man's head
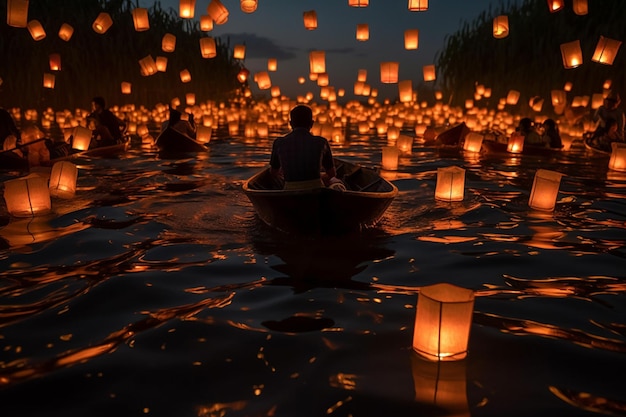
column 612, row 100
column 301, row 116
column 98, row 103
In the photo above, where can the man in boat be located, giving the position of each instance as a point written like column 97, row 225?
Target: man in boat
column 299, row 156
column 176, row 122
column 108, row 127
column 610, row 110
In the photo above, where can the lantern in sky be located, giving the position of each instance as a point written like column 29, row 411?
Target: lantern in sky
column 500, row 26
column 65, row 32
column 168, row 43
column 606, row 50
column 239, row 51
column 389, row 72
column 208, row 48
column 545, row 190
column 54, row 60
column 442, row 322
column 147, row 66
column 161, row 63
column 206, row 23
column 555, row 5
column 48, row 80
column 190, row 99
column 187, row 9
column 218, row 12
column 580, row 7
column 27, row 196
column 512, row 97
column 358, row 3
column 248, row 6
column 362, row 32
column 429, row 73
column 263, row 80
column 473, row 142
column 450, row 184
column 242, row 75
column 391, row 154
column 272, row 64
column 63, row 178
column 126, row 87
column 140, row 19
column 572, row 54
column 317, row 62
column 37, row 31
column 418, row 5
column 185, row 76
column 411, row 39
column 17, row 13
column 405, row 91
column 102, row 23
column 617, row 161
column 310, row 19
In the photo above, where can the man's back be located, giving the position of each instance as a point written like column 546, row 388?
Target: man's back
column 301, row 155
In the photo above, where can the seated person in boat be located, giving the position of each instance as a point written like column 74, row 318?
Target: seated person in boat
column 176, row 122
column 527, row 129
column 603, row 137
column 610, row 110
column 299, row 156
column 551, row 134
column 35, row 149
column 107, row 127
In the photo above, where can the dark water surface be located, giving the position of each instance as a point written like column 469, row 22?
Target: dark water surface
column 156, row 291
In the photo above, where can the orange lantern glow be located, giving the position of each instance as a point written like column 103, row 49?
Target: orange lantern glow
column 206, row 23
column 17, row 13
column 126, row 87
column 63, row 178
column 606, row 50
column 317, row 62
column 168, row 43
column 102, row 23
column 500, row 27
column 147, row 66
column 572, row 54
column 358, row 3
column 248, row 6
column 515, row 143
column 429, row 73
column 27, row 196
column 450, row 184
column 512, row 97
column 203, row 134
column 411, row 39
column 242, row 75
column 190, row 99
column 81, row 138
column 310, row 19
column 555, row 5
column 263, row 80
column 185, row 76
column 218, row 12
column 405, row 91
column 239, row 52
column 617, row 161
column 580, row 7
column 65, row 32
column 275, row 91
column 391, row 154
column 55, row 62
column 36, row 30
column 208, row 48
column 597, row 100
column 418, row 5
column 404, row 143
column 48, row 80
column 322, row 79
column 362, row 32
column 140, row 19
column 161, row 63
column 442, row 322
column 473, row 142
column 272, row 64
column 545, row 190
column 441, row 386
column 187, row 9
column 389, row 72
column 362, row 75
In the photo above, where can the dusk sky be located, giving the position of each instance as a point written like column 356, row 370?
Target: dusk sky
column 276, row 30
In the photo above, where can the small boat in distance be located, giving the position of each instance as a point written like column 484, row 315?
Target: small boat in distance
column 322, row 210
column 173, row 141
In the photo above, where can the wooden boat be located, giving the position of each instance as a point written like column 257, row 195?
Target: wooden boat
column 324, row 210
column 492, row 146
column 171, row 140
column 453, row 136
column 590, row 145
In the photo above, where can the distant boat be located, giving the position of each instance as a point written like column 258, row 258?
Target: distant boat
column 323, row 210
column 453, row 136
column 171, row 140
column 492, row 146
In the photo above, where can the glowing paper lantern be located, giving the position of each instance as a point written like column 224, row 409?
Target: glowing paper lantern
column 580, row 7
column 404, row 143
column 515, row 143
column 63, row 178
column 272, row 64
column 190, row 99
column 161, row 63
column 512, row 97
column 500, row 27
column 555, row 5
column 358, row 3
column 17, row 13
column 203, row 134
column 140, row 19
column 322, row 79
column 606, row 50
column 317, row 62
column 48, row 80
column 187, row 9
column 81, row 138
column 429, row 73
column 242, row 75
column 168, row 43
column 239, row 52
column 450, row 184
column 102, row 23
column 27, row 196
column 418, row 5
column 147, row 66
column 442, row 322
column 545, row 190
column 248, row 6
column 36, row 30
column 391, row 154
column 405, row 91
column 65, row 32
column 617, row 161
column 55, row 62
column 411, row 39
column 389, row 72
column 218, row 12
column 126, row 87
column 208, row 48
column 572, row 54
column 568, row 86
column 310, row 19
column 362, row 32
column 263, row 80
column 473, row 142
column 206, row 23
column 185, row 76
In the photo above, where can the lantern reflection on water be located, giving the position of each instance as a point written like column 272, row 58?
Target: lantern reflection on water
column 63, row 179
column 545, row 190
column 450, row 184
column 27, row 196
column 140, row 19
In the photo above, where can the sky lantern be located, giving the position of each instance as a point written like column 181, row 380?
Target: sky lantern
column 617, row 161
column 310, row 19
column 102, row 23
column 242, row 75
column 450, row 184
column 218, row 12
column 572, row 54
column 500, row 26
column 140, row 19
column 405, row 91
column 36, row 30
column 63, row 178
column 239, row 51
column 147, row 66
column 126, row 87
column 168, row 43
column 545, row 190
column 317, row 62
column 17, row 13
column 322, row 79
column 263, row 80
column 429, row 73
column 54, row 60
column 272, row 64
column 161, row 63
column 580, row 7
column 27, row 196
column 301, row 80
column 411, row 39
column 362, row 32
column 606, row 50
column 555, row 5
column 389, row 72
column 187, row 9
column 248, row 6
column 206, row 23
column 190, row 99
column 48, row 80
column 418, row 5
column 362, row 75
column 208, row 48
column 512, row 97
column 358, row 3
column 66, row 31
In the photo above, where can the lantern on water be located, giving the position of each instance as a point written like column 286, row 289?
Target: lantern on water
column 187, row 9
column 126, row 87
column 102, row 23
column 263, row 80
column 580, row 7
column 500, row 26
column 473, row 142
column 206, row 23
column 418, row 5
column 362, row 32
column 545, row 190
column 55, row 62
column 512, row 97
column 450, row 184
column 168, row 43
column 17, row 13
column 239, row 52
column 617, row 161
column 411, row 39
column 555, row 5
column 36, row 30
column 272, row 64
column 147, row 66
column 391, row 154
column 208, row 48
column 248, row 6
column 81, row 138
column 140, row 19
column 405, row 143
column 429, row 73
column 63, row 177
column 310, row 19
column 389, row 72
column 405, row 91
column 606, row 50
column 203, row 134
column 358, row 3
column 161, row 63
column 317, row 62
column 65, row 32
column 48, row 80
column 442, row 322
column 515, row 144
column 218, row 12
column 572, row 54
column 27, row 196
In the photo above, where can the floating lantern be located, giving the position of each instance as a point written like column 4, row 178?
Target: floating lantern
column 405, row 143
column 597, row 100
column 262, row 130
column 572, row 54
column 208, row 48
column 512, row 97
column 185, row 76
column 140, row 19
column 515, row 143
column 81, row 139
column 218, row 12
column 203, row 134
column 161, row 63
column 473, row 142
column 500, row 27
column 358, row 3
column 389, row 72
column 48, row 80
column 429, row 73
column 55, row 62
column 239, row 52
column 418, row 5
column 242, row 75
column 568, row 86
column 450, row 184
column 317, row 62
column 263, row 80
column 272, row 64
column 233, row 128
column 558, row 97
column 442, row 322
column 65, row 32
column 102, row 23
column 17, row 13
column 545, row 190
column 617, row 161
column 168, row 43
column 206, row 23
column 555, row 5
column 441, row 386
column 411, row 39
column 362, row 75
column 606, row 50
column 405, row 91
column 147, row 65
column 187, row 9
column 36, row 30
column 27, row 196
column 310, row 19
column 275, row 91
column 126, row 87
column 580, row 7
column 362, row 32
column 248, row 6
column 322, row 79
column 190, row 99
column 63, row 177
column 536, row 103
column 391, row 154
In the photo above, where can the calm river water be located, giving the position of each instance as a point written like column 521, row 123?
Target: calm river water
column 156, row 291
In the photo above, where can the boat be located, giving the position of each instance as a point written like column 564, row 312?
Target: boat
column 454, row 136
column 492, row 146
column 591, row 145
column 173, row 141
column 360, row 205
